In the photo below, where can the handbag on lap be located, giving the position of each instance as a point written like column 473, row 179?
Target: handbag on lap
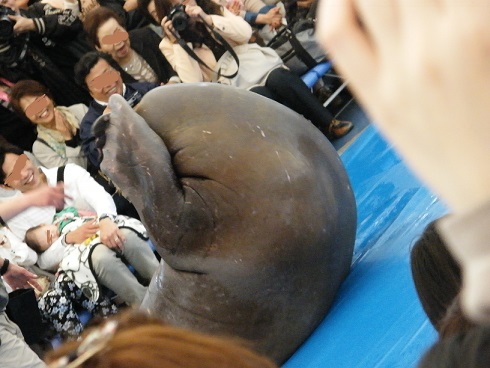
column 255, row 64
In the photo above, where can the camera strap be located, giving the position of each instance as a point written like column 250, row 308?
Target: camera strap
column 220, row 40
column 18, row 59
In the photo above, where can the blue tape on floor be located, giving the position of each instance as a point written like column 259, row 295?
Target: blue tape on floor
column 376, row 320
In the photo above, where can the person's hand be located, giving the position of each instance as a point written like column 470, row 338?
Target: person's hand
column 82, row 233
column 276, row 23
column 422, row 70
column 19, row 278
column 195, row 11
column 47, row 196
column 169, row 30
column 234, row 6
column 111, row 235
column 22, row 24
column 107, row 110
column 273, row 16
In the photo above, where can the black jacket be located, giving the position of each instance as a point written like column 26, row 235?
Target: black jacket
column 47, row 54
column 145, row 42
column 134, row 91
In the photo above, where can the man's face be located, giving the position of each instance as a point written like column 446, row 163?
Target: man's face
column 20, row 173
column 103, row 81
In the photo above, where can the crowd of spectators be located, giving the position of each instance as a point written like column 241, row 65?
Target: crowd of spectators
column 60, row 61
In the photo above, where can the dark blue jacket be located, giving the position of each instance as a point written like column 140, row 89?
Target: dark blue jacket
column 134, row 93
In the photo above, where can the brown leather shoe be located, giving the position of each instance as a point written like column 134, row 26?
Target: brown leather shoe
column 338, row 128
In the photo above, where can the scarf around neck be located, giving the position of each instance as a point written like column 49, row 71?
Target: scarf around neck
column 54, row 138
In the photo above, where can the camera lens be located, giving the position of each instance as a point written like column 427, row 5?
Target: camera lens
column 6, row 24
column 179, row 17
column 179, row 22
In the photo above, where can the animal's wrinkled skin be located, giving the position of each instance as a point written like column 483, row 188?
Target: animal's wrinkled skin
column 247, row 203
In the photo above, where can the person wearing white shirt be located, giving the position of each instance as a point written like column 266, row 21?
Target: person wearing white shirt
column 85, row 194
column 14, row 352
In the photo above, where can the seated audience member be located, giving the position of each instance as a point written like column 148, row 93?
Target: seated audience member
column 266, row 18
column 97, row 72
column 58, row 134
column 134, row 339
column 137, row 52
column 75, row 284
column 14, row 351
column 405, row 77
column 83, row 193
column 43, row 44
column 278, row 83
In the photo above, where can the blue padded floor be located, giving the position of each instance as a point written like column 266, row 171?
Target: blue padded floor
column 376, row 320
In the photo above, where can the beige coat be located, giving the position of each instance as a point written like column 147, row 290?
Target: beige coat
column 234, row 29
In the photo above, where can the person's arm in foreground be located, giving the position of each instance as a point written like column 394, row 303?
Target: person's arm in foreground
column 44, row 196
column 18, row 277
column 422, row 71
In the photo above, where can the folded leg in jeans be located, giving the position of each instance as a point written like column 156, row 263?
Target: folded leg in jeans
column 115, row 275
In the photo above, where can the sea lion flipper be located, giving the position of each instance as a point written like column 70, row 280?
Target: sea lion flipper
column 136, row 159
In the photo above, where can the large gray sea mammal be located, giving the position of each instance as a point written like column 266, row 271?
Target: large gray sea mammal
column 247, row 203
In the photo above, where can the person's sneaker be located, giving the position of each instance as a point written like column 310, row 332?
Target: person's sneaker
column 338, row 128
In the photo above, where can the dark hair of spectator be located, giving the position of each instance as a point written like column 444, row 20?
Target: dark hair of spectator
column 436, row 274
column 143, row 8
column 87, row 62
column 464, row 350
column 94, row 19
column 29, row 239
column 24, row 88
column 6, row 147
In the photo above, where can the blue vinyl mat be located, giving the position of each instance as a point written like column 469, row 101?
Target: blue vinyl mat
column 376, row 320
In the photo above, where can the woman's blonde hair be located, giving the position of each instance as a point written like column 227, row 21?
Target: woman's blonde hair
column 141, row 341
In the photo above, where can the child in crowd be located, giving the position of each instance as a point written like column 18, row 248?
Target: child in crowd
column 75, row 284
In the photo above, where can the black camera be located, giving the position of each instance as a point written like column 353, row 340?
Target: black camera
column 6, row 24
column 179, row 17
